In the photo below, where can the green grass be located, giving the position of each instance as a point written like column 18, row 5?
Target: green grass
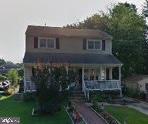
column 124, row 113
column 10, row 107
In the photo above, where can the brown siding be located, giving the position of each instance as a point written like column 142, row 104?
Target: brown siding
column 67, row 45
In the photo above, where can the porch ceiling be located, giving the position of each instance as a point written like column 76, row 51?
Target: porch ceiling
column 70, row 58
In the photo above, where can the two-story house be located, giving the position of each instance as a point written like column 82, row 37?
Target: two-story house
column 87, row 51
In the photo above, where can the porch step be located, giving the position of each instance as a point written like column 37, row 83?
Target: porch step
column 77, row 96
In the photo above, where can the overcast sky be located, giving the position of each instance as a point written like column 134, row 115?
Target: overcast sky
column 15, row 15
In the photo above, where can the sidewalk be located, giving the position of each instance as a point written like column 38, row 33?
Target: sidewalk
column 141, row 106
column 89, row 116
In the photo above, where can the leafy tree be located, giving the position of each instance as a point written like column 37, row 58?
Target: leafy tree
column 2, row 78
column 128, row 30
column 2, row 62
column 13, row 76
column 21, row 73
column 48, row 80
column 145, row 12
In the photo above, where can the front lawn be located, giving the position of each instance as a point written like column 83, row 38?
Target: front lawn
column 124, row 113
column 12, row 108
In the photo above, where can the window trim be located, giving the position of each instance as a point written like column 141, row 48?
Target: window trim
column 94, row 40
column 46, row 38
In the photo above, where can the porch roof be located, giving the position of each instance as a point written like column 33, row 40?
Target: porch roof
column 70, row 58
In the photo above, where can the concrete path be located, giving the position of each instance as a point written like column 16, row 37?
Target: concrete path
column 141, row 106
column 89, row 116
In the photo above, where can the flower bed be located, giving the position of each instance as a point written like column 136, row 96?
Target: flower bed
column 109, row 119
column 74, row 115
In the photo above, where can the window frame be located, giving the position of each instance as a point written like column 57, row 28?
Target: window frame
column 94, row 40
column 47, row 38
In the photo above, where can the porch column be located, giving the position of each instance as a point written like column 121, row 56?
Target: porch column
column 83, row 79
column 66, row 67
column 119, row 73
column 103, row 73
column 24, row 79
column 110, row 73
column 120, row 80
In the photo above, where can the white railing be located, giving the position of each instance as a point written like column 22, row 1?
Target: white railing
column 103, row 85
column 29, row 86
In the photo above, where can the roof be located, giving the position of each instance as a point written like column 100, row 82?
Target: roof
column 135, row 78
column 71, row 58
column 66, row 32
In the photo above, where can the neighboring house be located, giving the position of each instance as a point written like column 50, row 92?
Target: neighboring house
column 89, row 52
column 137, row 82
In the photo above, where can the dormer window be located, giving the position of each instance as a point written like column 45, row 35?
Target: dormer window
column 47, row 42
column 94, row 44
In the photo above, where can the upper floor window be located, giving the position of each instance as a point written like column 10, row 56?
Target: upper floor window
column 93, row 44
column 47, row 42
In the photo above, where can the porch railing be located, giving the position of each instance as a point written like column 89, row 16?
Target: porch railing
column 29, row 86
column 103, row 85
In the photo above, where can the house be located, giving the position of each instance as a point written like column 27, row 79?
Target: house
column 87, row 51
column 137, row 82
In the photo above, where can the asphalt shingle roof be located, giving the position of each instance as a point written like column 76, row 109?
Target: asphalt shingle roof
column 66, row 32
column 70, row 58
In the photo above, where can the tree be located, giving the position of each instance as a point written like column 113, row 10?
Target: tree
column 48, row 80
column 13, row 76
column 2, row 78
column 2, row 62
column 145, row 13
column 128, row 30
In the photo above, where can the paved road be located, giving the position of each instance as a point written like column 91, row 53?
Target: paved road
column 89, row 116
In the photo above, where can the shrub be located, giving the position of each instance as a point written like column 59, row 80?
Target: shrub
column 2, row 78
column 99, row 97
column 134, row 93
column 13, row 76
column 142, row 95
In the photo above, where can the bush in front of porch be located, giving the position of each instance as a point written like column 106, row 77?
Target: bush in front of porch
column 104, row 96
column 51, row 84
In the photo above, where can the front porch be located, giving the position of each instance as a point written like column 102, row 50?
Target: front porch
column 89, row 77
column 101, row 78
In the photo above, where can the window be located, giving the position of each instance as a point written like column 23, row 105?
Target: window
column 51, row 43
column 93, row 44
column 42, row 43
column 47, row 42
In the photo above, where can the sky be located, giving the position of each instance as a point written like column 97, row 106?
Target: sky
column 16, row 15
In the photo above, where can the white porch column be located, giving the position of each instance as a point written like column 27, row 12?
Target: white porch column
column 110, row 73
column 119, row 73
column 120, row 80
column 103, row 73
column 24, row 78
column 83, row 79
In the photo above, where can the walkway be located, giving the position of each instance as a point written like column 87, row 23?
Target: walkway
column 89, row 116
column 140, row 106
